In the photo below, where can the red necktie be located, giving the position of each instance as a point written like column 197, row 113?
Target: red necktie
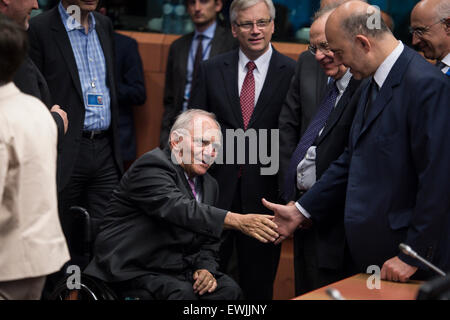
column 247, row 97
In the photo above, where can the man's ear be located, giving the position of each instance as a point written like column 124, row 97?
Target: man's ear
column 363, row 42
column 175, row 141
column 219, row 5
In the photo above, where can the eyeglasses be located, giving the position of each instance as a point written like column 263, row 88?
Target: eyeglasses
column 323, row 47
column 260, row 24
column 420, row 31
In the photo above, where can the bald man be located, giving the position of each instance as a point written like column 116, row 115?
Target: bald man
column 320, row 252
column 430, row 28
column 393, row 175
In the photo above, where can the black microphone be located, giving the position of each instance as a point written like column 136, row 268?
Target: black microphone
column 334, row 294
column 410, row 252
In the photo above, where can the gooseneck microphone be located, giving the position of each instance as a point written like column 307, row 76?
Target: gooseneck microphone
column 410, row 252
column 334, row 294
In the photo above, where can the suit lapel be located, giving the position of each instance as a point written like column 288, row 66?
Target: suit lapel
column 321, row 84
column 339, row 110
column 183, row 58
column 216, row 42
column 230, row 77
column 63, row 42
column 386, row 92
column 208, row 186
column 270, row 86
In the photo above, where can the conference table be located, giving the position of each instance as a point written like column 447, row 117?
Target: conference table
column 356, row 288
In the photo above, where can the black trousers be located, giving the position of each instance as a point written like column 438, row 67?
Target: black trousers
column 257, row 262
column 308, row 275
column 95, row 175
column 180, row 287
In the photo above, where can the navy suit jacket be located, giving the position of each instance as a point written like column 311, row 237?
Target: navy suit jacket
column 130, row 91
column 394, row 174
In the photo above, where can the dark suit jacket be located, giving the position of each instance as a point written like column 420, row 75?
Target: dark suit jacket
column 154, row 224
column 176, row 73
column 216, row 90
column 51, row 51
column 30, row 80
column 303, row 100
column 394, row 173
column 131, row 91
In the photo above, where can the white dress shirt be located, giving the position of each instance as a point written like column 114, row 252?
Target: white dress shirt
column 306, row 169
column 260, row 72
column 446, row 61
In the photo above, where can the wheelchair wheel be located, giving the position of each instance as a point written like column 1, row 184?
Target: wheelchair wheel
column 89, row 288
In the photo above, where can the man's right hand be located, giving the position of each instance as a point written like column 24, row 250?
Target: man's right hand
column 258, row 226
column 56, row 108
column 287, row 217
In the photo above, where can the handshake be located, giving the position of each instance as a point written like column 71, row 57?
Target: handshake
column 267, row 228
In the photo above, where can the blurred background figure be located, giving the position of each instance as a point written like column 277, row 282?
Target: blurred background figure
column 430, row 28
column 130, row 90
column 209, row 39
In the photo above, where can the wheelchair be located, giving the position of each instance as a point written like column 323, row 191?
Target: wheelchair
column 88, row 287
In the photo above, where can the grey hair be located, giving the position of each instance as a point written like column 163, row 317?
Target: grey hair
column 336, row 2
column 443, row 10
column 239, row 5
column 323, row 11
column 358, row 24
column 184, row 120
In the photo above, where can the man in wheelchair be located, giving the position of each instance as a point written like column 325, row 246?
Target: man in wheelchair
column 161, row 231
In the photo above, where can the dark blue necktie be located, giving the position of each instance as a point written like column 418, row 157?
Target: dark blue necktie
column 308, row 138
column 440, row 65
column 371, row 97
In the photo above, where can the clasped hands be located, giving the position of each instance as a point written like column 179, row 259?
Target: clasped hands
column 266, row 228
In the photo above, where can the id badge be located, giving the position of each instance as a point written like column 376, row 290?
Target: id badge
column 95, row 100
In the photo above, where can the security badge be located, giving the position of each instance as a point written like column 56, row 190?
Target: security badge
column 94, row 99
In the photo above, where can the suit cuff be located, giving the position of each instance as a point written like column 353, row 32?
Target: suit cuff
column 302, row 210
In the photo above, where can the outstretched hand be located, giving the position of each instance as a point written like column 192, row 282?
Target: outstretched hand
column 258, row 226
column 287, row 217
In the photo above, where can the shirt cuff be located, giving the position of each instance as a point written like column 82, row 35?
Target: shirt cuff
column 302, row 210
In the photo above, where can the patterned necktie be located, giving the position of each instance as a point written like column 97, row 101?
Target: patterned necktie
column 192, row 185
column 308, row 138
column 247, row 97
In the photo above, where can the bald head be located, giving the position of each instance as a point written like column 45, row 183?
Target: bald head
column 358, row 17
column 359, row 37
column 430, row 20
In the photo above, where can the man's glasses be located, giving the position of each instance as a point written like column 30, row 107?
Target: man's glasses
column 260, row 24
column 420, row 31
column 323, row 47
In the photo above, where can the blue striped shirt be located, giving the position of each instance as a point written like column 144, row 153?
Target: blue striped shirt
column 91, row 65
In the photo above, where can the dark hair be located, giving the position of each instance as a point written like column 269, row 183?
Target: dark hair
column 13, row 48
